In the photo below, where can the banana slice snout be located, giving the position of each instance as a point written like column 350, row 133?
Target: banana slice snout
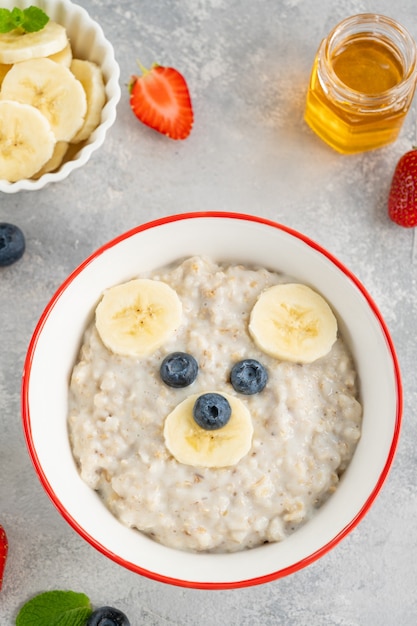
column 191, row 444
column 293, row 323
column 137, row 317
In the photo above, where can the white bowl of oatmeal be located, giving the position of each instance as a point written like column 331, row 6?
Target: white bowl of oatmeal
column 88, row 56
column 323, row 433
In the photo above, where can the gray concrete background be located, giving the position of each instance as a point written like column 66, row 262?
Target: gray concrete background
column 247, row 65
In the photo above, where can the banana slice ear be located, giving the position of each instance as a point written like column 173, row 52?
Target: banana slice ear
column 293, row 323
column 137, row 317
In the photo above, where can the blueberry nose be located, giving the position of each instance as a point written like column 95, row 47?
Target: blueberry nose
column 211, row 411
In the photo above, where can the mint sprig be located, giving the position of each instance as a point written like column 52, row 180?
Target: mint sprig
column 28, row 20
column 55, row 608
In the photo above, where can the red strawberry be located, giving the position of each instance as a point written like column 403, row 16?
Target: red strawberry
column 3, row 552
column 402, row 201
column 161, row 100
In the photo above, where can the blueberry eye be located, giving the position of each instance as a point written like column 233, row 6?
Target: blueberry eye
column 248, row 377
column 179, row 369
column 211, row 411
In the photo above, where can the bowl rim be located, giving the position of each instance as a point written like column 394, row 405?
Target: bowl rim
column 198, row 584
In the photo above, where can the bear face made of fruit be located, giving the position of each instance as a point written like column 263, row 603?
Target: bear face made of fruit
column 213, row 428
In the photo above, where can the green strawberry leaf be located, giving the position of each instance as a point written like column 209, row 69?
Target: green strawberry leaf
column 55, row 608
column 27, row 20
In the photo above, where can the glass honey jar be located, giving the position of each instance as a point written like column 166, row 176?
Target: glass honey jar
column 362, row 83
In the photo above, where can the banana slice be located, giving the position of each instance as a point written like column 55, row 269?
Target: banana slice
column 16, row 45
column 293, row 323
column 192, row 445
column 137, row 317
column 55, row 161
column 63, row 56
column 26, row 140
column 90, row 76
column 51, row 88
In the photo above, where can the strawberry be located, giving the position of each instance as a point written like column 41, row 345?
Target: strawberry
column 402, row 200
column 3, row 552
column 160, row 99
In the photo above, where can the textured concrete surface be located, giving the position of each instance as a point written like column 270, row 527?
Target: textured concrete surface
column 247, row 65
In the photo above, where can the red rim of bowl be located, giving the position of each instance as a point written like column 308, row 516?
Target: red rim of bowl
column 154, row 575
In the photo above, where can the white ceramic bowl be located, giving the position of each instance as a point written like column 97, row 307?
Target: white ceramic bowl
column 88, row 42
column 225, row 237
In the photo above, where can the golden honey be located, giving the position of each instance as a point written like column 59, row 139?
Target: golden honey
column 362, row 83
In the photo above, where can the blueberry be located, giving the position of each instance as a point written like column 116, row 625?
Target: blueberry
column 211, row 411
column 179, row 369
column 107, row 616
column 12, row 244
column 248, row 376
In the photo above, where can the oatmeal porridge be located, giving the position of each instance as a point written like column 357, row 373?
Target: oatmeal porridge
column 297, row 433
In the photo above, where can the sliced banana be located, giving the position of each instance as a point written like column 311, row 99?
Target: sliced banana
column 16, row 45
column 51, row 88
column 293, row 323
column 90, row 76
column 63, row 56
column 137, row 317
column 55, row 161
column 192, row 445
column 26, row 140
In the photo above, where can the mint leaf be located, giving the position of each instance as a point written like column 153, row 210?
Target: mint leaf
column 6, row 21
column 17, row 17
column 27, row 20
column 55, row 608
column 34, row 19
